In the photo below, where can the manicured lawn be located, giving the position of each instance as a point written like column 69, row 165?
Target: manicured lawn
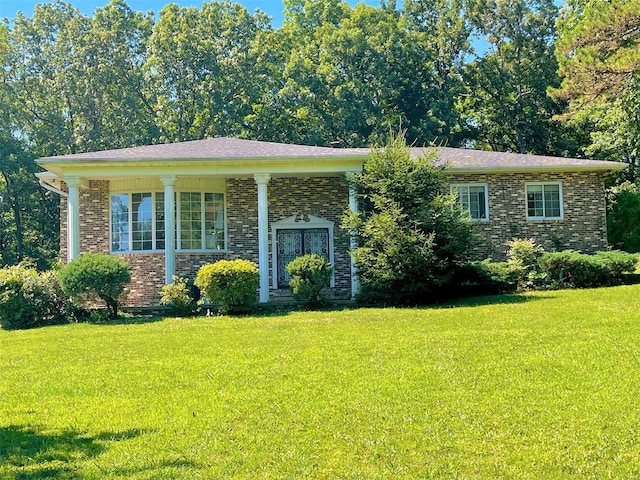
column 545, row 385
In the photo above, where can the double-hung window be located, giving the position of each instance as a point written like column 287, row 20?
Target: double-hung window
column 473, row 198
column 544, row 201
column 137, row 221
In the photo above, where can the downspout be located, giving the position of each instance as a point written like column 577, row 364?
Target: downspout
column 53, row 189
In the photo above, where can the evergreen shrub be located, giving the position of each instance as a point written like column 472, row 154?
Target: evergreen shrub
column 231, row 284
column 310, row 274
column 573, row 269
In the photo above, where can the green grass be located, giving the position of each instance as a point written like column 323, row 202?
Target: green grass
column 545, row 385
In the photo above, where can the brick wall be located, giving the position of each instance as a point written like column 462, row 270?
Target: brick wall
column 323, row 197
column 583, row 227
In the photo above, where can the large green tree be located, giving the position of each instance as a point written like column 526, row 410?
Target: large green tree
column 506, row 106
column 410, row 235
column 598, row 52
column 202, row 69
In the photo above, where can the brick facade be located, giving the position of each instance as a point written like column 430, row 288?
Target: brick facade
column 324, row 197
column 583, row 227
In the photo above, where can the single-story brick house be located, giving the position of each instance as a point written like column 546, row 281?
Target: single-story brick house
column 168, row 209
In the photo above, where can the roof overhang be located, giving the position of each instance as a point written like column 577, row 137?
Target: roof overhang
column 223, row 167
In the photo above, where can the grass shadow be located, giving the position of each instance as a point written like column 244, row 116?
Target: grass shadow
column 29, row 453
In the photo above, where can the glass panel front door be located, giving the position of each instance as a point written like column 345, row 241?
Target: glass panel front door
column 293, row 243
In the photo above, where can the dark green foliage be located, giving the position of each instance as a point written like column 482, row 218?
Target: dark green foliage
column 623, row 213
column 29, row 298
column 410, row 236
column 310, row 274
column 96, row 275
column 574, row 269
column 178, row 297
column 488, row 277
column 231, row 284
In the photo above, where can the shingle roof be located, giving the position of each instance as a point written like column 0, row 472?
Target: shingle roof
column 210, row 149
column 232, row 148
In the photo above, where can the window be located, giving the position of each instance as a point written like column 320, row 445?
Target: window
column 544, row 201
column 474, row 199
column 137, row 221
column 201, row 221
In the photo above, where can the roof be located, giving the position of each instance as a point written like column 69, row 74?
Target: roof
column 230, row 151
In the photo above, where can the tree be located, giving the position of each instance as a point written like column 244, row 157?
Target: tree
column 597, row 52
column 410, row 236
column 507, row 106
column 623, row 211
column 201, row 63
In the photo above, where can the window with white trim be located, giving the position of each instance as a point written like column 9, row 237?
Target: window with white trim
column 137, row 221
column 473, row 198
column 544, row 201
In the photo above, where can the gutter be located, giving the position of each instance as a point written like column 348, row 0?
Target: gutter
column 47, row 186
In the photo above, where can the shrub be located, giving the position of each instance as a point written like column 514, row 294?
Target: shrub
column 574, row 269
column 96, row 275
column 177, row 296
column 489, row 277
column 523, row 257
column 410, row 235
column 310, row 274
column 618, row 263
column 232, row 284
column 29, row 298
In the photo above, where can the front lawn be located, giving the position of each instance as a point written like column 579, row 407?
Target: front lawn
column 545, row 385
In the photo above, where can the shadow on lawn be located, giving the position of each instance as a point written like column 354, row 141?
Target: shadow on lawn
column 27, row 453
column 512, row 298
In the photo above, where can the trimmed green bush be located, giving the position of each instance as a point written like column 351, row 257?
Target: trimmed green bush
column 573, row 269
column 29, row 298
column 231, row 284
column 177, row 296
column 310, row 274
column 489, row 277
column 96, row 275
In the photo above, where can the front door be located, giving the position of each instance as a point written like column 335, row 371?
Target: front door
column 293, row 243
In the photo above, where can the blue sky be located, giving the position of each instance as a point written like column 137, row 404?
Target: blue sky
column 274, row 8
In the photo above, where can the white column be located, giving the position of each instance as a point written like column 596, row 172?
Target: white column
column 355, row 283
column 262, row 179
column 73, row 217
column 169, row 183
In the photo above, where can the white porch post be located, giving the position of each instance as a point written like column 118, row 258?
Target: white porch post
column 169, row 183
column 262, row 179
column 73, row 217
column 355, row 283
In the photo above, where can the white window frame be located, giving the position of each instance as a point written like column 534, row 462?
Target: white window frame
column 130, row 223
column 154, row 222
column 296, row 222
column 543, row 184
column 202, row 219
column 453, row 188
